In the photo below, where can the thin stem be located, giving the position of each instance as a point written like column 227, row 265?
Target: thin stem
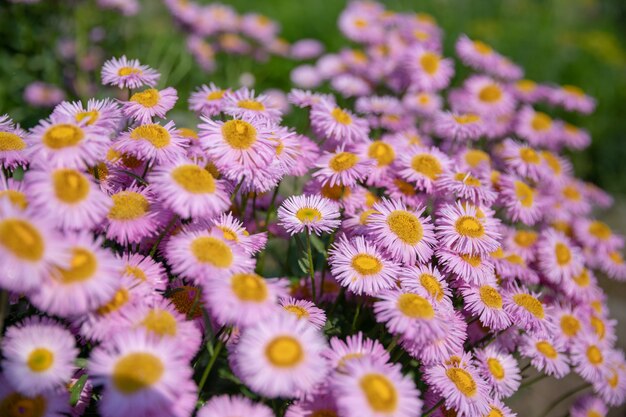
column 330, row 243
column 393, row 343
column 564, row 397
column 533, row 380
column 311, row 270
column 145, row 171
column 525, row 367
column 196, row 299
column 356, row 316
column 433, row 408
column 162, row 235
column 135, row 176
column 207, row 370
column 270, row 209
column 235, row 191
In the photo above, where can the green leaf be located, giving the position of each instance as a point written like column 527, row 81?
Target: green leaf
column 303, row 263
column 77, row 388
column 317, row 243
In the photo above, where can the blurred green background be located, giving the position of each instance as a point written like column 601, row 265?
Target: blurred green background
column 580, row 42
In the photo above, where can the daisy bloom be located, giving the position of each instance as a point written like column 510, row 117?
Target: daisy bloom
column 13, row 192
column 336, row 124
column 312, row 213
column 125, row 73
column 152, row 142
column 133, row 216
column 428, row 70
column 402, row 231
column 38, row 355
column 361, row 266
column 461, row 228
column 426, row 277
column 473, row 188
column 243, row 299
column 205, row 255
column 69, row 196
column 613, row 264
column 207, row 100
column 589, row 356
column 242, row 104
column 53, row 403
column 522, row 201
column 498, row 408
column 486, row 302
column 459, row 127
column 557, row 257
column 589, row 406
column 373, row 389
column 280, row 356
column 233, row 229
column 304, row 310
column 612, row 386
column 142, row 374
column 500, row 370
column 321, row 403
column 470, row 269
column 547, row 354
column 12, row 144
column 104, row 114
column 145, row 271
column 355, row 347
column 574, row 137
column 144, row 105
column 422, row 166
column 536, row 127
column 341, row 168
column 573, row 98
column 596, row 234
column 488, row 97
column 458, row 381
column 524, row 160
column 527, row 311
column 233, row 406
column 476, row 54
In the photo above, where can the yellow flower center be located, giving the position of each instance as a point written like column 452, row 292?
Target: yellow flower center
column 309, row 215
column 616, row 257
column 137, row 371
column 427, row 165
column 365, row 215
column 530, row 304
column 136, row 273
column 430, row 62
column 463, row 381
column 613, row 380
column 524, row 193
column 360, row 23
column 600, row 230
column 249, row 287
column 541, row 122
column 490, row 296
column 464, row 119
column 366, row 264
column 239, row 134
column 546, row 349
column 160, row 322
column 482, row 48
column 525, row 238
column 552, row 161
column 467, row 179
column 11, row 142
column 474, row 157
column 380, row 393
column 343, row 161
column 128, row 205
column 406, row 226
column 210, row 250
column 40, row 360
column 91, row 116
column 469, row 226
column 70, row 185
column 62, row 136
column 335, row 192
column 341, row 116
column 17, row 198
column 83, row 266
column 494, row 412
column 526, row 86
column 571, row 193
column 572, row 89
column 490, row 93
column 22, row 239
column 298, row 311
column 184, row 299
column 496, row 368
column 126, row 71
column 562, row 253
column 570, row 325
column 415, row 306
column 529, row 156
column 155, row 134
column 582, row 279
column 284, row 352
column 18, row 405
column 194, row 179
column 215, row 95
column 432, row 285
column 120, row 298
column 251, row 105
column 598, row 326
column 594, row 355
column 382, row 152
column 404, row 187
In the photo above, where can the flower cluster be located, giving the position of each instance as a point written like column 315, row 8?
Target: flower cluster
column 426, row 245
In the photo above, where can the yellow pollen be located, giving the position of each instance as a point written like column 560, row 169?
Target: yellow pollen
column 571, row 193
column 40, row 360
column 184, row 299
column 406, row 226
column 526, row 86
column 530, row 304
column 515, row 259
column 128, row 205
column 239, row 134
column 22, row 239
column 473, row 260
column 467, row 179
column 463, row 381
column 160, row 322
column 524, row 193
column 600, row 230
column 616, row 257
column 572, row 89
column 298, row 311
column 498, row 253
column 490, row 296
column 194, row 179
column 415, row 306
column 430, row 62
column 136, row 273
column 552, row 161
column 210, row 250
column 404, row 187
column 598, row 326
column 427, row 165
column 70, row 185
column 546, row 349
column 309, row 215
column 11, row 142
column 468, row 118
column 343, row 161
column 147, row 98
column 541, row 122
column 284, row 352
column 382, row 152
column 482, row 48
column 432, row 285
column 529, row 156
column 249, row 287
column 525, row 238
column 91, row 116
column 360, row 23
column 83, row 266
column 341, row 116
column 229, row 234
column 570, row 325
column 582, row 279
column 156, row 135
column 126, row 71
column 496, row 368
column 365, row 215
column 17, row 198
column 490, row 93
column 215, row 95
column 136, row 372
column 366, row 264
column 18, row 405
column 62, row 136
column 613, row 380
column 335, row 192
column 494, row 412
column 120, row 298
column 380, row 393
column 594, row 355
column 475, row 157
column 371, row 199
column 562, row 253
column 469, row 226
column 251, row 105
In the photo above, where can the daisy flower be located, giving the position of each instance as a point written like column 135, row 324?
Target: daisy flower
column 207, row 100
column 423, row 102
column 38, row 355
column 573, row 98
column 470, row 269
column 142, row 374
column 69, row 196
column 498, row 408
column 205, row 255
column 312, row 213
column 243, row 299
column 319, row 404
column 13, row 192
column 104, row 114
column 29, row 249
column 133, row 216
column 426, row 277
column 547, row 354
column 189, row 190
column 459, row 127
column 242, row 104
column 336, row 124
column 144, row 105
column 125, row 73
column 90, row 279
column 487, row 96
column 468, row 187
column 233, row 406
column 523, row 160
column 574, row 137
column 373, row 389
column 428, row 70
column 459, row 227
column 536, row 127
column 383, row 154
column 361, row 266
column 12, row 144
column 522, row 202
column 304, row 310
column 589, row 406
column 53, row 403
column 486, row 302
column 355, row 347
column 596, row 234
column 152, row 141
column 233, row 229
column 458, row 381
column 527, row 311
column 280, row 356
column 341, row 168
column 589, row 356
column 558, row 259
column 612, row 386
column 422, row 166
column 500, row 370
column 145, row 271
column 476, row 54
column 613, row 264
column 402, row 231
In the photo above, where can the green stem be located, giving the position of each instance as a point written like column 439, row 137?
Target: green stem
column 564, row 397
column 393, row 343
column 145, row 171
column 356, row 316
column 135, row 176
column 235, row 191
column 533, row 380
column 207, row 370
column 330, row 243
column 433, row 408
column 270, row 209
column 162, row 235
column 311, row 269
